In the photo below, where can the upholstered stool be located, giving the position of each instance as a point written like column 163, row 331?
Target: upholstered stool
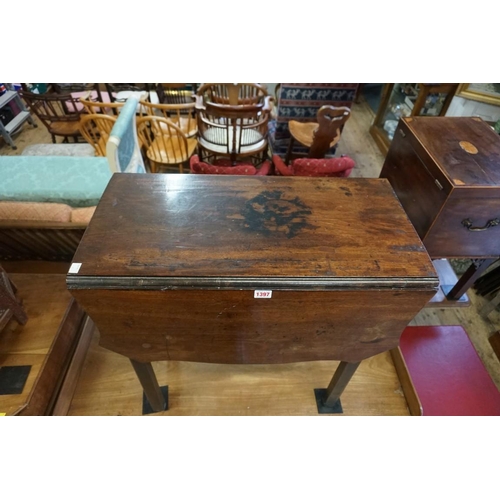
column 442, row 374
column 225, row 167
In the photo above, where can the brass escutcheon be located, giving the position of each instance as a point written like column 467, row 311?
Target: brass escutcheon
column 468, row 147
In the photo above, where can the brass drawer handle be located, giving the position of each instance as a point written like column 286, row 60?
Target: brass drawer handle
column 491, row 223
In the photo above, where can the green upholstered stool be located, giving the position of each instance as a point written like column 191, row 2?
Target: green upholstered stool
column 75, row 181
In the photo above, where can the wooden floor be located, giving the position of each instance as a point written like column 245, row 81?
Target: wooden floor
column 108, row 385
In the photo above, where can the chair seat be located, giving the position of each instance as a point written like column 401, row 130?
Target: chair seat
column 188, row 126
column 303, row 132
column 65, row 128
column 216, row 140
column 168, row 151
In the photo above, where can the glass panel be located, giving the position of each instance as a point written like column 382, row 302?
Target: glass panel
column 433, row 104
column 401, row 102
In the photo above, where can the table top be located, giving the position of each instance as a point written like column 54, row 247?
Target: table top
column 466, row 148
column 238, row 231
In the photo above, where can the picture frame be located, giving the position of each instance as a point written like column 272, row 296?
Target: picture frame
column 488, row 93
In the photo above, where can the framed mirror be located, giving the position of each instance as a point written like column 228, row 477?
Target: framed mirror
column 483, row 92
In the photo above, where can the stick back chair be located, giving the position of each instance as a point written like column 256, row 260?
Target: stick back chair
column 183, row 115
column 96, row 129
column 319, row 136
column 58, row 113
column 164, row 143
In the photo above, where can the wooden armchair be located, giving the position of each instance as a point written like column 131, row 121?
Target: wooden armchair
column 164, row 143
column 120, row 92
column 58, row 112
column 233, row 93
column 94, row 107
column 96, row 130
column 183, row 115
column 232, row 131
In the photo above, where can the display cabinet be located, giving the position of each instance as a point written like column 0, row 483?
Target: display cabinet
column 408, row 99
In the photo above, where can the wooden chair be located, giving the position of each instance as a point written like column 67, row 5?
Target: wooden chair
column 9, row 305
column 183, row 115
column 120, row 92
column 96, row 130
column 164, row 143
column 319, row 136
column 94, row 107
column 58, row 112
column 175, row 93
column 233, row 93
column 232, row 131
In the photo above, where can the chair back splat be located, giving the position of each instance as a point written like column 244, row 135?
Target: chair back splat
column 330, row 123
column 320, row 136
column 233, row 93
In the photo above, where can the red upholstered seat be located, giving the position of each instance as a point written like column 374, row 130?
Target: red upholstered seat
column 312, row 167
column 224, row 167
column 447, row 373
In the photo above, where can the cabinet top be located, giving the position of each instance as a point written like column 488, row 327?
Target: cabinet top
column 239, row 231
column 466, row 149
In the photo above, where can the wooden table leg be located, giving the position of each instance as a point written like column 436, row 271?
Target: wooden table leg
column 149, row 383
column 339, row 382
column 468, row 278
column 289, row 151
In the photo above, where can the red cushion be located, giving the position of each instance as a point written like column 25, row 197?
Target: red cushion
column 224, row 167
column 324, row 167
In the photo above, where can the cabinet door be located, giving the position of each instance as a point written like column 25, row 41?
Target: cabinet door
column 419, row 190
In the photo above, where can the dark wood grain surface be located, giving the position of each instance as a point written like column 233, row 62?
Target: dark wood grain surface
column 442, row 137
column 231, row 326
column 217, row 226
column 354, row 270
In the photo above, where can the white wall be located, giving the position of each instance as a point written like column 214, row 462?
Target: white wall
column 467, row 107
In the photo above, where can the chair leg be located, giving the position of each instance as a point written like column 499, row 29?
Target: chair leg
column 53, row 138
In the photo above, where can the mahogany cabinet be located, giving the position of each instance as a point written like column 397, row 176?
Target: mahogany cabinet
column 239, row 269
column 446, row 174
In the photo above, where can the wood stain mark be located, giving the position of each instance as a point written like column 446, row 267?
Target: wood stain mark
column 346, row 190
column 271, row 212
